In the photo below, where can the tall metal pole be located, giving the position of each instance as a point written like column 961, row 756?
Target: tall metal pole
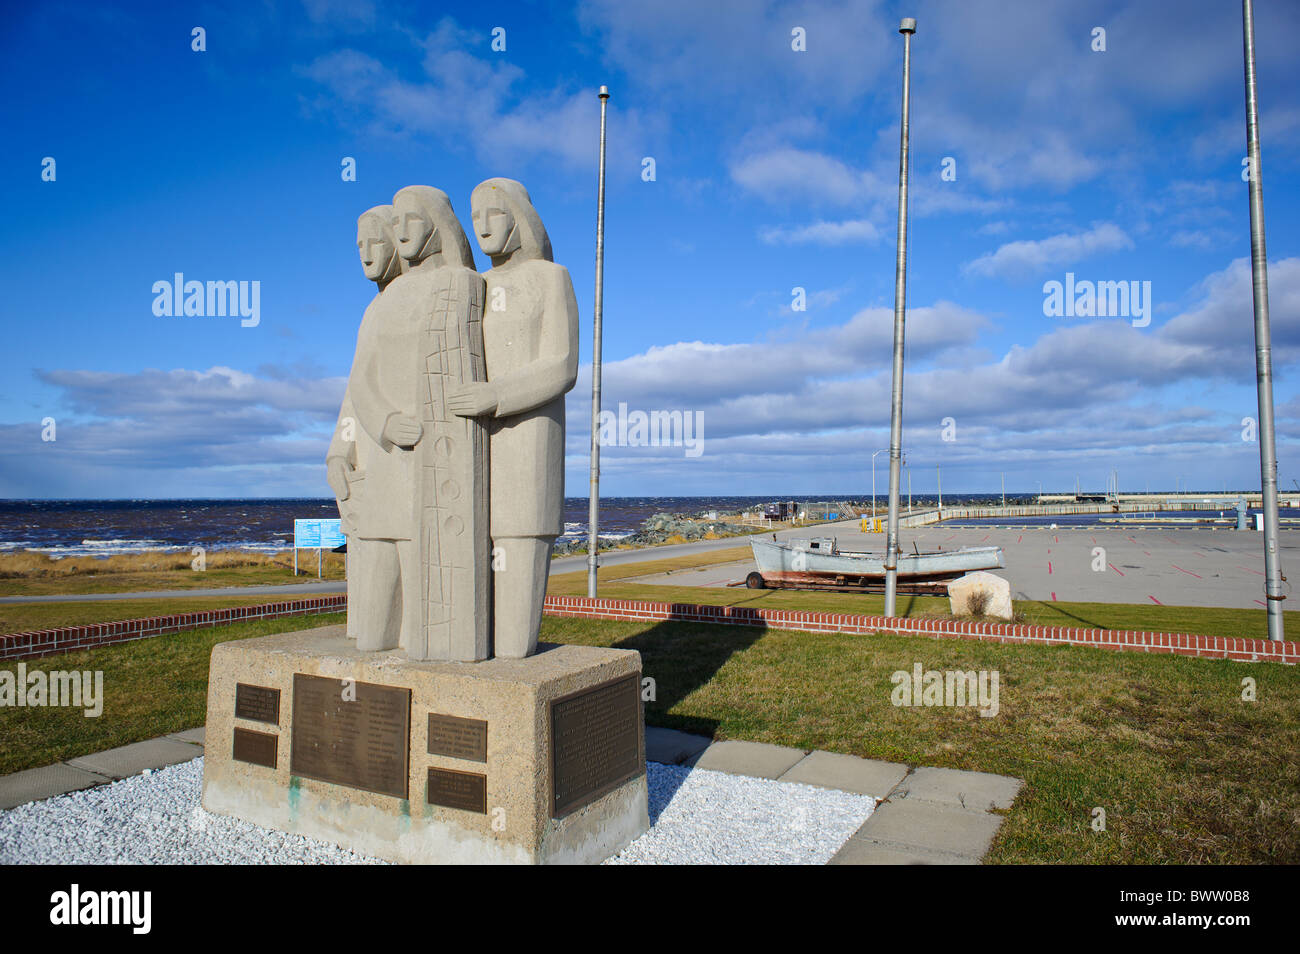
column 907, row 27
column 593, row 504
column 1263, row 342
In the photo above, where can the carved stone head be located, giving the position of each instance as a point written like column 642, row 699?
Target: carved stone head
column 427, row 228
column 378, row 246
column 507, row 226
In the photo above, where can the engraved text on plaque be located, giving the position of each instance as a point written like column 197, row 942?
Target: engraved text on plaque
column 459, row 738
column 257, row 702
column 464, row 790
column 595, row 742
column 256, row 748
column 355, row 734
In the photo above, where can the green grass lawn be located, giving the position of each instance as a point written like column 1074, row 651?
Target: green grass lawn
column 1186, row 771
column 151, row 687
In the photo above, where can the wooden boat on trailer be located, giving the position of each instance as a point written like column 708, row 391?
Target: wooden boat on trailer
column 820, row 564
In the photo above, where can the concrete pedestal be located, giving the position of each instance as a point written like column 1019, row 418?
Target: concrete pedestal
column 507, row 761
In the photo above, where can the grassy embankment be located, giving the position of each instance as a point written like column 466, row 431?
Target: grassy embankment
column 1186, row 771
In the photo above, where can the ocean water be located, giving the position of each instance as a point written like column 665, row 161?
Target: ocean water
column 104, row 527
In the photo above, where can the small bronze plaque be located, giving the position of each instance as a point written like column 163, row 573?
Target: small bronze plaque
column 257, row 703
column 595, row 742
column 464, row 790
column 459, row 738
column 351, row 733
column 258, row 748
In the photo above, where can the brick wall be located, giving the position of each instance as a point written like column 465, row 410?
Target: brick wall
column 1183, row 644
column 48, row 642
column 65, row 639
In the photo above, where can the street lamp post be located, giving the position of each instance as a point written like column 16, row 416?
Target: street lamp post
column 907, row 27
column 1263, row 340
column 593, row 503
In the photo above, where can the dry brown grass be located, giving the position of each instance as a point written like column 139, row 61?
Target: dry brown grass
column 29, row 573
column 30, row 564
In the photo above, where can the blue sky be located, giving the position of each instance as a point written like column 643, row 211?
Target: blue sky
column 775, row 169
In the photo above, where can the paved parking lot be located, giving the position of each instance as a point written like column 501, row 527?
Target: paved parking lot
column 1175, row 567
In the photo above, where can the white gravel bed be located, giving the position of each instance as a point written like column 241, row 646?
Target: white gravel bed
column 698, row 817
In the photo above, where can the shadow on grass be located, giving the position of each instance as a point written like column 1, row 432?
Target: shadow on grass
column 682, row 656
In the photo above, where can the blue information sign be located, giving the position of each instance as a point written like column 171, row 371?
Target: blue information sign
column 314, row 534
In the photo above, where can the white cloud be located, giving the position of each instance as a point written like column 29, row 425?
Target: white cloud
column 1028, row 256
column 822, row 233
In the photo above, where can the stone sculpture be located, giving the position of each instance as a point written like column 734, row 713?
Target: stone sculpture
column 381, row 263
column 422, row 519
column 453, row 486
column 530, row 334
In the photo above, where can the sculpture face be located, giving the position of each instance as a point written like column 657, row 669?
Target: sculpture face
column 493, row 224
column 417, row 238
column 376, row 250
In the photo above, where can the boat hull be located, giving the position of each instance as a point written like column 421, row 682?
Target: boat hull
column 786, row 564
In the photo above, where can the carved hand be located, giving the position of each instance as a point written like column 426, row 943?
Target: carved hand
column 472, row 400
column 402, row 430
column 336, row 472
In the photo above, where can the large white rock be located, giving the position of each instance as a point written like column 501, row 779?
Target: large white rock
column 997, row 602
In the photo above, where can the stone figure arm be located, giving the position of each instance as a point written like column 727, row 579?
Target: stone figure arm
column 556, row 368
column 341, row 458
column 385, row 424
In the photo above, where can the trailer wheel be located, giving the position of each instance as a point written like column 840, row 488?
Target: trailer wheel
column 755, row 581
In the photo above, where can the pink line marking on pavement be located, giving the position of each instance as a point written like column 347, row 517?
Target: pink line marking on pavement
column 1113, row 567
column 1249, row 570
column 1019, row 538
column 1154, row 600
column 1056, row 539
column 1188, row 572
column 1262, row 603
column 1053, row 597
column 986, row 536
column 1049, row 567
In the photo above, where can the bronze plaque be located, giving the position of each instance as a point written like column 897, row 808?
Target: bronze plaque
column 351, row 733
column 595, row 742
column 257, row 703
column 458, row 738
column 464, row 790
column 259, row 748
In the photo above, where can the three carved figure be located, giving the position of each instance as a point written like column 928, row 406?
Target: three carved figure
column 448, row 457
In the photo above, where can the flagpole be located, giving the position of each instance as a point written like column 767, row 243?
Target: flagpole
column 1263, row 343
column 907, row 27
column 593, row 503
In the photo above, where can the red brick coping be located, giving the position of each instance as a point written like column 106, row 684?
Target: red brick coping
column 1182, row 644
column 48, row 642
column 68, row 638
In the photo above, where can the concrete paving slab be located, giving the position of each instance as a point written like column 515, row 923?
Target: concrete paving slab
column 755, row 759
column 672, row 747
column 45, row 782
column 847, row 773
column 974, row 791
column 912, row 823
column 133, row 759
column 190, row 735
column 864, row 851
